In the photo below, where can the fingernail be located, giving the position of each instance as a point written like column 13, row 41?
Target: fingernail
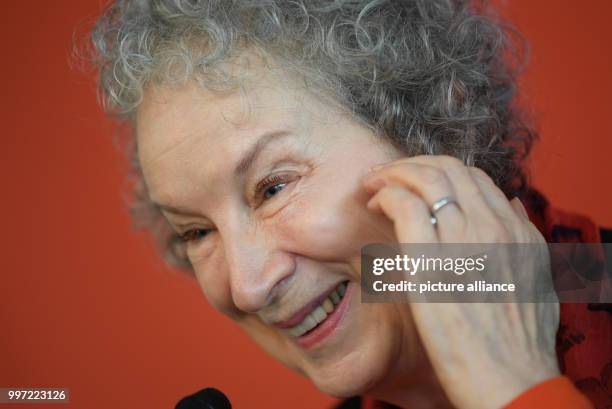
column 521, row 206
column 377, row 167
column 371, row 205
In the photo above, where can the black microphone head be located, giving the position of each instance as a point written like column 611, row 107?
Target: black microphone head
column 208, row 398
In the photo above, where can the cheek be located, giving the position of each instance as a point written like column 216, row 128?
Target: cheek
column 334, row 224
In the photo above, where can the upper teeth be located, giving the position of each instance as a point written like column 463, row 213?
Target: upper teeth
column 320, row 313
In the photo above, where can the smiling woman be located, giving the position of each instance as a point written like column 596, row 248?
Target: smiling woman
column 275, row 139
column 272, row 229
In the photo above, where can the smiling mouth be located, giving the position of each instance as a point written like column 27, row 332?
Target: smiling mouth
column 320, row 313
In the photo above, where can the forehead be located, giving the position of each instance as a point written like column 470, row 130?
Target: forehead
column 171, row 115
column 187, row 131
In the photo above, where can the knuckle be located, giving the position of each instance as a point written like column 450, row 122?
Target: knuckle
column 462, row 171
column 432, row 176
column 450, row 161
column 409, row 202
column 402, row 200
column 385, row 194
column 479, row 173
column 392, row 195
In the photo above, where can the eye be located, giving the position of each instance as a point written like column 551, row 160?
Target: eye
column 194, row 235
column 272, row 190
column 270, row 186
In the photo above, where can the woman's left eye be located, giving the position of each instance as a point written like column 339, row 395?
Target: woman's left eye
column 272, row 190
column 270, row 186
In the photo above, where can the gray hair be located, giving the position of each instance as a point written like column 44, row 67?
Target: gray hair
column 432, row 76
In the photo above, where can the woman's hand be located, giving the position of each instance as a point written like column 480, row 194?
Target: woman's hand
column 484, row 354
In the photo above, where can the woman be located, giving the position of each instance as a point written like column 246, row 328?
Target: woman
column 275, row 139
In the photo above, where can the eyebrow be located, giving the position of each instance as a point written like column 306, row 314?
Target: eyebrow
column 243, row 166
column 251, row 155
column 175, row 210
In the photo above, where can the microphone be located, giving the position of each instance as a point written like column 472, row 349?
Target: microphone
column 208, row 398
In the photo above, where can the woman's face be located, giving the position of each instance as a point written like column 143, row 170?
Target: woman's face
column 264, row 186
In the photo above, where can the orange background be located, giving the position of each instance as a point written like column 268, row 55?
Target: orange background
column 84, row 301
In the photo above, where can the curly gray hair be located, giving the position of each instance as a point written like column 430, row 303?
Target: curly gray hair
column 433, row 76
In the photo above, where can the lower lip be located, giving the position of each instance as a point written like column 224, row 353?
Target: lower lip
column 327, row 328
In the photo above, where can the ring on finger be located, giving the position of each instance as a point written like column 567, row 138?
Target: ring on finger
column 439, row 205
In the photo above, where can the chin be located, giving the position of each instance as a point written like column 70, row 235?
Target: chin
column 353, row 376
column 364, row 359
column 354, row 353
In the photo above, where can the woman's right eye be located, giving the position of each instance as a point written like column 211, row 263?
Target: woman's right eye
column 194, row 235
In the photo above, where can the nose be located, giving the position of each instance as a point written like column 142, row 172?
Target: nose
column 256, row 270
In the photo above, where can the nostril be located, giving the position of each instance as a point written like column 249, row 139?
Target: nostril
column 277, row 273
column 249, row 294
column 279, row 289
column 257, row 276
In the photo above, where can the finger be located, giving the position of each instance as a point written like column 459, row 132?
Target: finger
column 431, row 184
column 518, row 206
column 533, row 234
column 468, row 191
column 494, row 196
column 409, row 214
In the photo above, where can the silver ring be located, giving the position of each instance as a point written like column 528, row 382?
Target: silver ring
column 438, row 205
